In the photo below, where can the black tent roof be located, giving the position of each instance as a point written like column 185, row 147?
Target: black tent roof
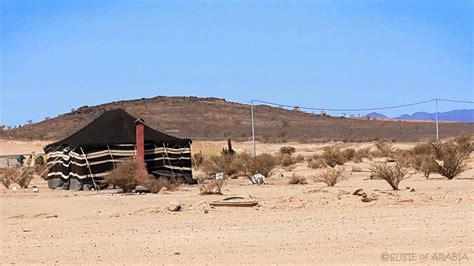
column 114, row 127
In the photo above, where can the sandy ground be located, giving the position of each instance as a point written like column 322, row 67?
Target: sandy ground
column 293, row 224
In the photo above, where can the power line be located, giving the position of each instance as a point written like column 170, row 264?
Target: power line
column 344, row 110
column 454, row 101
column 360, row 109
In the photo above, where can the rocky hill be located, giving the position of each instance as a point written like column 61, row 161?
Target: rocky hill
column 212, row 118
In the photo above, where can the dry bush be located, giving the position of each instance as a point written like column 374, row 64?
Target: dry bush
column 384, row 148
column 450, row 159
column 197, row 160
column 464, row 143
column 287, row 160
column 220, row 163
column 330, row 176
column 316, row 163
column 348, row 154
column 8, row 175
column 211, row 187
column 127, row 175
column 154, row 184
column 392, row 173
column 289, row 150
column 297, row 180
column 333, row 156
column 248, row 165
column 356, row 169
column 360, row 154
column 428, row 166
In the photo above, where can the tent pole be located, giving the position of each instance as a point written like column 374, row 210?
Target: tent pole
column 169, row 161
column 253, row 131
column 90, row 170
column 111, row 156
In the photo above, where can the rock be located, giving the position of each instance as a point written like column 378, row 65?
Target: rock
column 412, row 190
column 358, row 192
column 97, row 211
column 141, row 190
column 366, row 199
column 35, row 189
column 174, row 206
column 205, row 211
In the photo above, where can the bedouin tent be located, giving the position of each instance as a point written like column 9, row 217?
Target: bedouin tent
column 83, row 159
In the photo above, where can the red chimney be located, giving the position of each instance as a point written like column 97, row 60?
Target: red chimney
column 140, row 140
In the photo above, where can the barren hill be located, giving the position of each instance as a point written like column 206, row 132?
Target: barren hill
column 212, row 118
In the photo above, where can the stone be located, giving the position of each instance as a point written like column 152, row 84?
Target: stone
column 174, row 206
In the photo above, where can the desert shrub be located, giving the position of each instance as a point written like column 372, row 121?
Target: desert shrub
column 127, row 175
column 392, row 173
column 211, row 187
column 360, row 154
column 348, row 154
column 287, row 160
column 8, row 175
column 297, row 180
column 316, row 163
column 423, row 149
column 384, row 148
column 197, row 160
column 450, row 159
column 248, row 165
column 464, row 143
column 154, row 184
column 356, row 169
column 220, row 163
column 333, row 156
column 287, row 150
column 428, row 166
column 330, row 176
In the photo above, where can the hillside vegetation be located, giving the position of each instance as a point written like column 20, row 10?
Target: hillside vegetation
column 212, row 118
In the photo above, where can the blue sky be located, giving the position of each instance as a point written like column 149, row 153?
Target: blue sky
column 59, row 55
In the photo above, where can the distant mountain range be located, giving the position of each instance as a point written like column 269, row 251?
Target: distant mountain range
column 464, row 115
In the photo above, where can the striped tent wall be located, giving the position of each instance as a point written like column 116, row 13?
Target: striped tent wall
column 70, row 169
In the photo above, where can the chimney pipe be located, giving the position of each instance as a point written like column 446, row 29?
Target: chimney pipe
column 140, row 140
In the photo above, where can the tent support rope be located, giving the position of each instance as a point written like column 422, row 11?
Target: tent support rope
column 90, row 170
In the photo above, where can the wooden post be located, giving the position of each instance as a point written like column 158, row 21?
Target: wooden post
column 140, row 140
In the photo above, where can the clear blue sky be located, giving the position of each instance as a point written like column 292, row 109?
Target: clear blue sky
column 59, row 55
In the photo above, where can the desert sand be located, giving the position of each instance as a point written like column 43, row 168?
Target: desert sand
column 293, row 224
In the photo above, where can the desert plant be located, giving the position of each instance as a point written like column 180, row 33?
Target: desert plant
column 333, row 156
column 450, row 159
column 289, row 150
column 330, row 176
column 297, row 180
column 127, row 175
column 348, row 154
column 316, row 163
column 428, row 166
column 248, row 165
column 392, row 173
column 356, row 169
column 211, row 187
column 384, row 148
column 220, row 163
column 8, row 175
column 464, row 143
column 360, row 154
column 197, row 160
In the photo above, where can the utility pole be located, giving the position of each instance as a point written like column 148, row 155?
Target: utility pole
column 437, row 124
column 253, row 132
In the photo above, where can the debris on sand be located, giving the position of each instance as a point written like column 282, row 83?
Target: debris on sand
column 174, row 206
column 234, row 203
column 358, row 192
